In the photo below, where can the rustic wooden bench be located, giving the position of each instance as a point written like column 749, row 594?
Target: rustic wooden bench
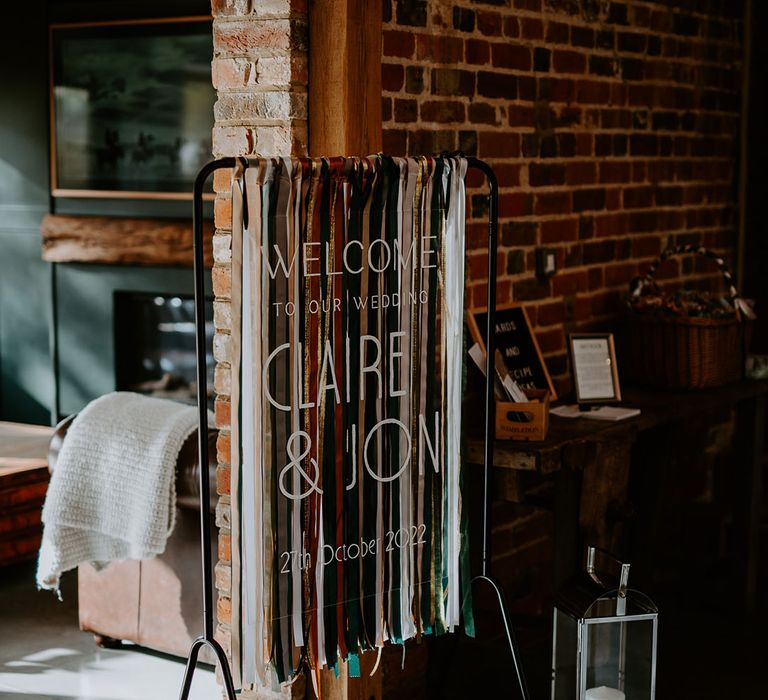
column 23, row 483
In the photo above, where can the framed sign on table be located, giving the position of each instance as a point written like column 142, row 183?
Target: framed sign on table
column 593, row 365
column 131, row 107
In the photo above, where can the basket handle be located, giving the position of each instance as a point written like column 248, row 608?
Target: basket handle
column 640, row 283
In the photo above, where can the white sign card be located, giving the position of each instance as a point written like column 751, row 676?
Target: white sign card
column 593, row 363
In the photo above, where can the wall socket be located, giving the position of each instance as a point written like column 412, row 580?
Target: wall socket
column 546, row 262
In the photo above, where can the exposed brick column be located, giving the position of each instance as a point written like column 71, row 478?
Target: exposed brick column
column 260, row 73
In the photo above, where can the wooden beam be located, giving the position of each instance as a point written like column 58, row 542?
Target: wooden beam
column 344, row 77
column 345, row 687
column 117, row 241
column 366, row 686
column 345, row 120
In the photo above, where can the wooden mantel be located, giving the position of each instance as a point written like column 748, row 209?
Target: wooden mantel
column 118, row 241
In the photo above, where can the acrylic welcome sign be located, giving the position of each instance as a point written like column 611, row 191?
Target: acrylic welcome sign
column 347, row 323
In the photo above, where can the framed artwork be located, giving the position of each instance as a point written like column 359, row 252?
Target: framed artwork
column 593, row 364
column 517, row 343
column 131, row 107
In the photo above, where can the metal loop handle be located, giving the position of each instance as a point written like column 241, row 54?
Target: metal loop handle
column 623, row 577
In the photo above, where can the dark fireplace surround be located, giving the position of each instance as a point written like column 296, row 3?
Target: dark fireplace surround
column 123, row 309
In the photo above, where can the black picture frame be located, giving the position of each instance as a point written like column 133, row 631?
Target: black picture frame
column 131, row 107
column 588, row 376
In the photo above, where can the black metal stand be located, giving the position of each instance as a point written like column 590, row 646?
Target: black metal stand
column 207, row 638
column 490, row 420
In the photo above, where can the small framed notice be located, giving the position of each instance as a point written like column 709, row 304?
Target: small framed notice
column 517, row 344
column 593, row 363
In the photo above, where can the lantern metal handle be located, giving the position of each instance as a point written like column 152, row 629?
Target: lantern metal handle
column 623, row 579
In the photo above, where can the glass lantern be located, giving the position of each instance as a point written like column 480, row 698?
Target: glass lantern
column 603, row 636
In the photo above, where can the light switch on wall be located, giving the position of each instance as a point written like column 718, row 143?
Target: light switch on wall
column 546, row 262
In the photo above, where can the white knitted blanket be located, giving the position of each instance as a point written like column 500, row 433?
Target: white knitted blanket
column 113, row 493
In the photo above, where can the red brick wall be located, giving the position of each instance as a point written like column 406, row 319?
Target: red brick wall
column 612, row 127
column 260, row 73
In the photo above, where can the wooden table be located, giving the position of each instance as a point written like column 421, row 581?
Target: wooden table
column 23, row 483
column 589, row 463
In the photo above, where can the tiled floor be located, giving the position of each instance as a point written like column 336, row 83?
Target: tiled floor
column 44, row 656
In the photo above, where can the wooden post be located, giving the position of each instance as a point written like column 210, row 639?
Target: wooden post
column 344, row 77
column 345, row 120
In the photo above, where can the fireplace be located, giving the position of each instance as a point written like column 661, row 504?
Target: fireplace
column 155, row 345
column 123, row 327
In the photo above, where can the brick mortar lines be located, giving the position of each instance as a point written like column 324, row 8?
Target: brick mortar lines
column 650, row 4
column 585, row 77
column 545, row 189
column 546, row 15
column 246, row 69
column 586, row 52
column 502, row 128
column 252, row 53
column 293, row 88
column 255, row 17
column 502, row 101
column 260, row 122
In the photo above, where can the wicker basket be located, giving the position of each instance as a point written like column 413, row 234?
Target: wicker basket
column 681, row 352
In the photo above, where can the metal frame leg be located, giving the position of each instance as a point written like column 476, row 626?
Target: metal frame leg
column 222, row 660
column 490, row 417
column 207, row 638
column 509, row 632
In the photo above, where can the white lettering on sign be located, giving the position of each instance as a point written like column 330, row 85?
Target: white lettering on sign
column 380, row 256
